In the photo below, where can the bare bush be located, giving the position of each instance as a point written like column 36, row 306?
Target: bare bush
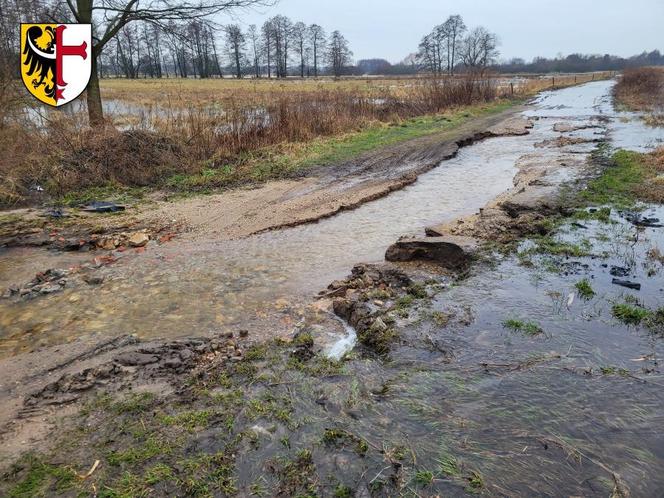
column 641, row 88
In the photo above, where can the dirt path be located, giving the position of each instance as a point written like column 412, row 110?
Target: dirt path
column 327, row 190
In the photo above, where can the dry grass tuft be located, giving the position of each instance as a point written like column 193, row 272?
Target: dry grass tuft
column 652, row 190
column 642, row 89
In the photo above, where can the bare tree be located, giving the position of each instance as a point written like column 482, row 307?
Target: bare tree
column 236, row 45
column 479, row 49
column 254, row 39
column 428, row 54
column 108, row 17
column 267, row 30
column 317, row 43
column 151, row 40
column 281, row 29
column 200, row 37
column 299, row 34
column 128, row 51
column 338, row 53
column 454, row 29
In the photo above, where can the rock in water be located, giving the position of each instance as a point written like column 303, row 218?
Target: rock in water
column 452, row 252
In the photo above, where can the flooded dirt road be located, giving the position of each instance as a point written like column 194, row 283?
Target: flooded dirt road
column 264, row 281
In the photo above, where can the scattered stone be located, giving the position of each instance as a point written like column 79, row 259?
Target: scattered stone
column 514, row 126
column 93, row 280
column 243, row 333
column 138, row 239
column 452, row 252
column 55, row 212
column 107, row 243
column 136, row 359
column 642, row 221
column 186, row 354
column 619, row 271
column 172, row 363
column 566, row 127
column 102, row 207
column 50, row 289
column 542, row 199
column 47, row 282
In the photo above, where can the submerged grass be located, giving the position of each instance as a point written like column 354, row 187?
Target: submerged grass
column 525, row 327
column 629, row 314
column 585, row 289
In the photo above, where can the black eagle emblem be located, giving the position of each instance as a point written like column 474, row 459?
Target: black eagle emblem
column 41, row 61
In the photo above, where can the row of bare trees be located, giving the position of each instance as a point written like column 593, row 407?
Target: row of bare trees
column 451, row 44
column 188, row 48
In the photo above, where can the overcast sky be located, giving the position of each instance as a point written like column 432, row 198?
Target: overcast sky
column 392, row 29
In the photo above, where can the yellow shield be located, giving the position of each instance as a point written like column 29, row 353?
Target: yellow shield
column 38, row 61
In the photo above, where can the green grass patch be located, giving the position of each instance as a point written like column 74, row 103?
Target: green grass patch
column 134, row 403
column 423, row 477
column 342, row 491
column 629, row 314
column 450, row 466
column 615, row 186
column 585, row 289
column 340, row 438
column 602, row 214
column 527, row 328
column 41, row 479
column 153, row 446
column 655, row 321
column 475, row 482
column 548, row 245
column 188, row 420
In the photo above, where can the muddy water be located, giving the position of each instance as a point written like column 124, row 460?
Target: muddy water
column 263, row 282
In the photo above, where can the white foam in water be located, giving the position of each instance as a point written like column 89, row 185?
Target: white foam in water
column 345, row 344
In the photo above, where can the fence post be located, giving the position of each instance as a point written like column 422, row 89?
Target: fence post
column 512, row 88
column 553, row 82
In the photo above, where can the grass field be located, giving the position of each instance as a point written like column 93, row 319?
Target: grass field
column 184, row 92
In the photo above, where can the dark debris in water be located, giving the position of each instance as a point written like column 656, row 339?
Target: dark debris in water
column 626, row 283
column 102, row 207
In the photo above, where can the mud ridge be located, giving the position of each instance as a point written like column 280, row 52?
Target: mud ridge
column 410, row 178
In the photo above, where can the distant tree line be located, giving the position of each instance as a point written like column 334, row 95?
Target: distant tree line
column 277, row 49
column 579, row 63
column 186, row 44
